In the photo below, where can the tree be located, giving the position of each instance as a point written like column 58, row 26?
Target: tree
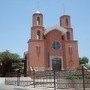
column 84, row 60
column 9, row 62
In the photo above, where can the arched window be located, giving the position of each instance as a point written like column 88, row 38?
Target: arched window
column 38, row 20
column 68, row 35
column 66, row 22
column 38, row 34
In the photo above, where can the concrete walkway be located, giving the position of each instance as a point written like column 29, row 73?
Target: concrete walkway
column 10, row 87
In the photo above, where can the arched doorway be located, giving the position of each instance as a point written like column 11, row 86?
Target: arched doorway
column 56, row 64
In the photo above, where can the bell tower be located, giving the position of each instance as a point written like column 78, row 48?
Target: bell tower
column 71, row 48
column 37, row 29
column 65, row 21
column 36, row 43
column 37, row 19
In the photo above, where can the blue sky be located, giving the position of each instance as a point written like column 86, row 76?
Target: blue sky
column 16, row 21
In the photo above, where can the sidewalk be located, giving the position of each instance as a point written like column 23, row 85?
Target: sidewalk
column 10, row 87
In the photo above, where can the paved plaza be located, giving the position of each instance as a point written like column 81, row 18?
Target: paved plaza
column 4, row 87
column 13, row 87
column 9, row 87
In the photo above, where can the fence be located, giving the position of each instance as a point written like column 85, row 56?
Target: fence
column 65, row 79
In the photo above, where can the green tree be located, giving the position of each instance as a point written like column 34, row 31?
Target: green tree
column 84, row 60
column 9, row 62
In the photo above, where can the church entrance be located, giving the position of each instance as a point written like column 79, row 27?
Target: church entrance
column 56, row 64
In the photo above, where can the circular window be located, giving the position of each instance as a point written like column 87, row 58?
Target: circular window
column 56, row 45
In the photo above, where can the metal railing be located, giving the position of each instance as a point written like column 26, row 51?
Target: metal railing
column 55, row 79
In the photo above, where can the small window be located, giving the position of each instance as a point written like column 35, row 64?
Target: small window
column 38, row 34
column 70, row 50
column 66, row 22
column 38, row 20
column 68, row 35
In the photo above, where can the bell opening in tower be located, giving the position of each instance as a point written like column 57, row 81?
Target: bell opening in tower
column 66, row 22
column 68, row 35
column 38, row 20
column 38, row 34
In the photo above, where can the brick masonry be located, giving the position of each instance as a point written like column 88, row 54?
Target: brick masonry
column 41, row 53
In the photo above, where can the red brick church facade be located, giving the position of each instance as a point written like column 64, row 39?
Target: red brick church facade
column 52, row 48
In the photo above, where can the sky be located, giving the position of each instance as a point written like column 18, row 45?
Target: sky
column 16, row 22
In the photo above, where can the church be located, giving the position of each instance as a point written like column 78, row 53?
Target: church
column 52, row 48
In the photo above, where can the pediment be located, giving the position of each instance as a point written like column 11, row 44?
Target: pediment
column 57, row 27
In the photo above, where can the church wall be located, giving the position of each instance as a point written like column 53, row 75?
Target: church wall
column 42, row 52
column 71, row 55
column 52, row 36
column 36, row 53
column 34, row 31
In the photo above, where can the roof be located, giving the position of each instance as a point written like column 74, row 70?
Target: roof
column 57, row 27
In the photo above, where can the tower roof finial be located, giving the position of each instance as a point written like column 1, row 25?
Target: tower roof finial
column 64, row 10
column 37, row 12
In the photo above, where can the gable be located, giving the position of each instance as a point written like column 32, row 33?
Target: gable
column 57, row 27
